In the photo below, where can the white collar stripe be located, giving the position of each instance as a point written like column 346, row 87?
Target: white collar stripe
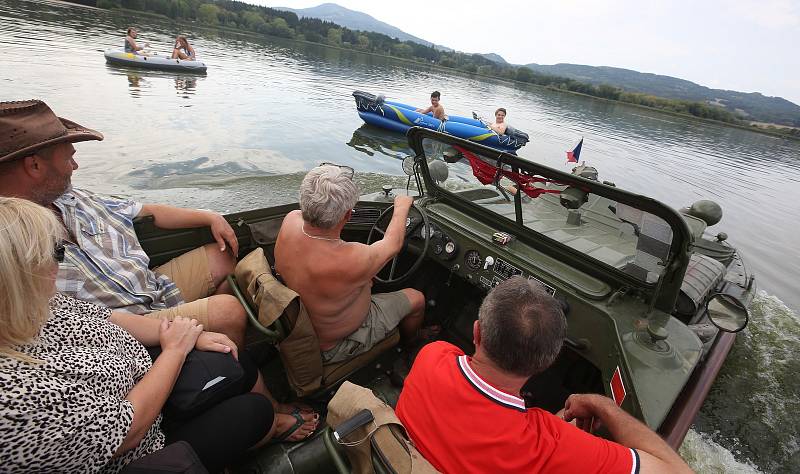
column 488, row 390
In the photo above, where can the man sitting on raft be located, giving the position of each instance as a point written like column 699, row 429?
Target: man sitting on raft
column 130, row 43
column 182, row 50
column 436, row 107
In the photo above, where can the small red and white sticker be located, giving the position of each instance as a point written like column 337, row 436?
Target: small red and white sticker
column 617, row 387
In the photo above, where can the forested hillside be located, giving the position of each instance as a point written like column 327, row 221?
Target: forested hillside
column 269, row 21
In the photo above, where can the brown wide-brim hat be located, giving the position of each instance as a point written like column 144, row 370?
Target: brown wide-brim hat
column 29, row 125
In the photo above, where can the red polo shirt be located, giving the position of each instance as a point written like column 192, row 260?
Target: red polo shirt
column 462, row 424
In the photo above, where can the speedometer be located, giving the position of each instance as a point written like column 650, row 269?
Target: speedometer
column 473, row 260
column 426, row 229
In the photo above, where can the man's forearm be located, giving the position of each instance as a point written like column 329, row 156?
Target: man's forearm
column 628, row 431
column 396, row 230
column 170, row 217
column 142, row 328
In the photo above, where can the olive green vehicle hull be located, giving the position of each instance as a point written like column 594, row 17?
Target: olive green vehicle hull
column 626, row 339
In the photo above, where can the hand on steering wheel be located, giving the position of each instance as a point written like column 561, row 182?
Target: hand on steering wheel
column 411, row 225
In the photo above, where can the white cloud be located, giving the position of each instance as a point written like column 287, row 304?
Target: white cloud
column 773, row 14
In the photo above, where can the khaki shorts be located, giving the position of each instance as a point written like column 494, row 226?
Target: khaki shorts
column 386, row 310
column 191, row 274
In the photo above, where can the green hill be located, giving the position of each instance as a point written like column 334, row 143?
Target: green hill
column 751, row 106
column 353, row 20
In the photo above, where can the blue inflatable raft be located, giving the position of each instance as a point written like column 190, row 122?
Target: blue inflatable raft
column 397, row 117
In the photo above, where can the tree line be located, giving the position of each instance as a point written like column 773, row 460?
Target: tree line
column 269, row 21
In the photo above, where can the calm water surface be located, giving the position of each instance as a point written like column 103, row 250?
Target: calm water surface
column 242, row 137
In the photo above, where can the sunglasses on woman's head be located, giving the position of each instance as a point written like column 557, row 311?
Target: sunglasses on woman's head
column 58, row 252
column 349, row 171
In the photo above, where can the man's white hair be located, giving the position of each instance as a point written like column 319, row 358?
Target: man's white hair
column 326, row 194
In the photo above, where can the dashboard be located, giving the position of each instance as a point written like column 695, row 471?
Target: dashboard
column 476, row 261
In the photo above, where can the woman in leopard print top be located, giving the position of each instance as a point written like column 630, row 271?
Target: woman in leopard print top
column 78, row 390
column 76, row 398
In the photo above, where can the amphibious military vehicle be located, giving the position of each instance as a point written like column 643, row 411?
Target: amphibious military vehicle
column 653, row 301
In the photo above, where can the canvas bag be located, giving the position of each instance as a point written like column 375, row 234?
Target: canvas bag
column 299, row 351
column 387, row 436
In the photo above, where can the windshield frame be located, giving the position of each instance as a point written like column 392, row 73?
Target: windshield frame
column 665, row 290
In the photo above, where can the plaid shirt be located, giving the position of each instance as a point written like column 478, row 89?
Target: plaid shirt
column 103, row 260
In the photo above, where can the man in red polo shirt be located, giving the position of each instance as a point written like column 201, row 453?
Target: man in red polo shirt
column 465, row 414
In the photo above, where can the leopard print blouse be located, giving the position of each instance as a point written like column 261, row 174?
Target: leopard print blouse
column 69, row 414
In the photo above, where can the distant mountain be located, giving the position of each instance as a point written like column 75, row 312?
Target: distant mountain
column 494, row 57
column 753, row 105
column 355, row 21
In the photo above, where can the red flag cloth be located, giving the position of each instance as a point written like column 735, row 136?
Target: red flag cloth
column 487, row 173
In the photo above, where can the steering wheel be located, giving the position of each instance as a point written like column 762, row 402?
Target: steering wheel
column 411, row 225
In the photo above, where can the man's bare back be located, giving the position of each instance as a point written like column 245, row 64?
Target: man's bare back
column 333, row 277
column 324, row 273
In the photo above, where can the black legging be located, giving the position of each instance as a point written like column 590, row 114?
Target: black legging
column 222, row 434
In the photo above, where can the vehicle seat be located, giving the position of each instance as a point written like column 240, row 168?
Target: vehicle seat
column 277, row 312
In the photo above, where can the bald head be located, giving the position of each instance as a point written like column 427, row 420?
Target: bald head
column 522, row 327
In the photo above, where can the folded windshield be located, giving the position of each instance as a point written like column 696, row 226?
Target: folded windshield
column 617, row 234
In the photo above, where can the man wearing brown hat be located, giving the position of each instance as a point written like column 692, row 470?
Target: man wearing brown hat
column 104, row 261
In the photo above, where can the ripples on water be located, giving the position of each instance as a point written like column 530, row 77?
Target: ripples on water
column 242, row 137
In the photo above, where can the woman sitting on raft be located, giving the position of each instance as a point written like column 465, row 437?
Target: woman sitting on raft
column 182, row 50
column 79, row 391
column 130, row 43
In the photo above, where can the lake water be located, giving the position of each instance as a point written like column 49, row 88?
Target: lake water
column 242, row 137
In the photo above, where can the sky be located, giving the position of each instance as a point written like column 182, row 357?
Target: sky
column 743, row 45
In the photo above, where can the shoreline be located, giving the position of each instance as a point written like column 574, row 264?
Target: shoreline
column 436, row 67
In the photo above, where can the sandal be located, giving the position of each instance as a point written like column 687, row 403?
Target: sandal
column 299, row 421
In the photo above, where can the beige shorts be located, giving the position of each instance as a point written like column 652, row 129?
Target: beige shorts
column 191, row 274
column 386, row 310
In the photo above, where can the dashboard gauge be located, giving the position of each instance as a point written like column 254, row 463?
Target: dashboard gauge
column 450, row 248
column 429, row 229
column 473, row 260
column 438, row 246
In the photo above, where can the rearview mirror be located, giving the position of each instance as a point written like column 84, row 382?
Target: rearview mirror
column 727, row 313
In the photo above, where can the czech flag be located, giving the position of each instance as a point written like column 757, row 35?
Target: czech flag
column 574, row 155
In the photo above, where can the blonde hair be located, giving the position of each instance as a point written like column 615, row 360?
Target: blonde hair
column 28, row 235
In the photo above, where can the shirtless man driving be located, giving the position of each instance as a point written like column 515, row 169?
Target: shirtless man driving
column 334, row 277
column 436, row 107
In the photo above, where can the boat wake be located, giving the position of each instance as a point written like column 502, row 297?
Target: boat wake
column 706, row 456
column 750, row 419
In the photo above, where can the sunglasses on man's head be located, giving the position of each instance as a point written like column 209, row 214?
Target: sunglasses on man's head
column 349, row 171
column 58, row 252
